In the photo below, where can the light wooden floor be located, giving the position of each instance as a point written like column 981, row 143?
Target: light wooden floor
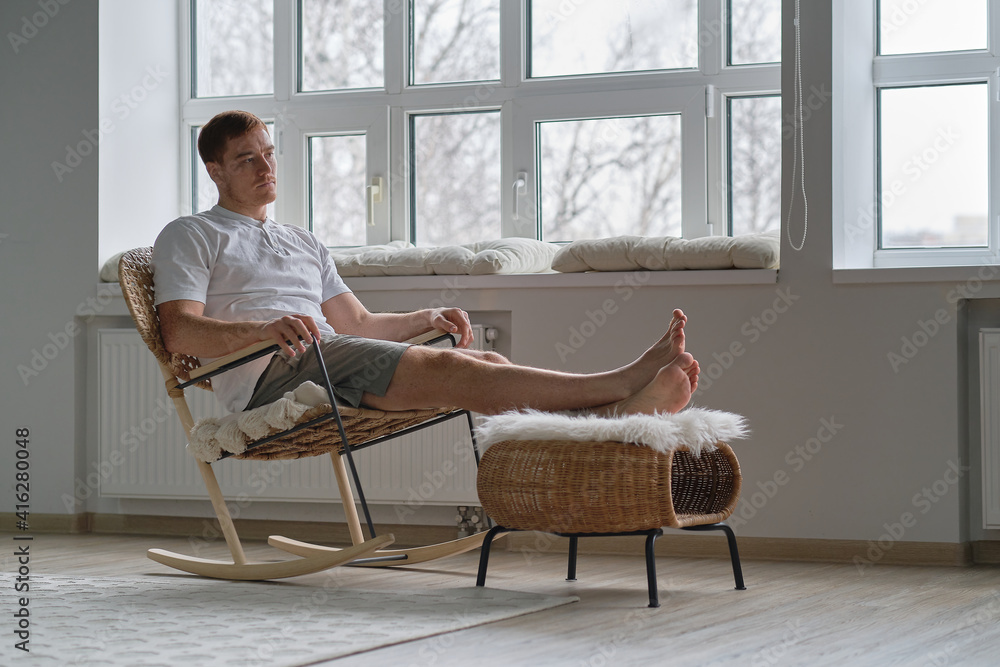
column 791, row 614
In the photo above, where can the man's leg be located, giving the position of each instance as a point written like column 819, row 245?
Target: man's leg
column 661, row 379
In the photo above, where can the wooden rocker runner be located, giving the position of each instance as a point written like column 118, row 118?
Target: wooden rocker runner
column 325, row 429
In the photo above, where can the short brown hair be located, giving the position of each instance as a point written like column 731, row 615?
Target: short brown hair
column 216, row 133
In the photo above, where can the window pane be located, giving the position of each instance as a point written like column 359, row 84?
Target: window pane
column 934, row 166
column 204, row 193
column 455, row 40
column 754, row 31
column 754, row 164
column 592, row 37
column 908, row 26
column 610, row 177
column 234, row 48
column 456, row 178
column 341, row 44
column 337, row 205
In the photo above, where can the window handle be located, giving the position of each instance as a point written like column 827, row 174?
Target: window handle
column 520, row 184
column 373, row 194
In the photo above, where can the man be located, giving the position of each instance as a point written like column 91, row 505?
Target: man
column 229, row 277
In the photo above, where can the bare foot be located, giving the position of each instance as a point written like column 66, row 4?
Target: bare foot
column 641, row 372
column 672, row 343
column 669, row 391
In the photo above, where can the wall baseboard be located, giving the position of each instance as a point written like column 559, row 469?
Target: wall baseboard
column 862, row 553
column 986, row 552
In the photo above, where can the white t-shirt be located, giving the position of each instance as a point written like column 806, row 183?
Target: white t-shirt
column 243, row 269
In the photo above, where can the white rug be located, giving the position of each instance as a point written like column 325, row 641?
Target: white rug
column 173, row 621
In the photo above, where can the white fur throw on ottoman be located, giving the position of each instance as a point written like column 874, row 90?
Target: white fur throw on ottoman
column 697, row 428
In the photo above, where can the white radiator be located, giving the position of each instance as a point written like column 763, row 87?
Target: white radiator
column 142, row 453
column 989, row 378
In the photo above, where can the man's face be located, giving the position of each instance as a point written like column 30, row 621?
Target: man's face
column 246, row 176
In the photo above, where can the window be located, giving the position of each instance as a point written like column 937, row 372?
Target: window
column 610, row 177
column 754, row 164
column 337, row 203
column 754, row 33
column 602, row 37
column 340, row 45
column 929, row 26
column 455, row 159
column 914, row 183
column 233, row 48
column 454, row 41
column 550, row 119
column 933, row 166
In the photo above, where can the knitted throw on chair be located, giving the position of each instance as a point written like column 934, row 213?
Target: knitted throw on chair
column 232, row 433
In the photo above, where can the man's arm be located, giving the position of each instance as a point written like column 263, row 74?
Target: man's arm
column 347, row 315
column 186, row 330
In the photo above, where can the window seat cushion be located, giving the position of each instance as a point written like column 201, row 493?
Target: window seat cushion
column 109, row 270
column 522, row 255
column 668, row 253
column 399, row 258
column 508, row 255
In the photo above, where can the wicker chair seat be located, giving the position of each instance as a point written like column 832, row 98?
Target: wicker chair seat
column 605, row 487
column 362, row 425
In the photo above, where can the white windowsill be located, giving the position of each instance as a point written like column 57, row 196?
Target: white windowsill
column 565, row 280
column 918, row 274
column 108, row 300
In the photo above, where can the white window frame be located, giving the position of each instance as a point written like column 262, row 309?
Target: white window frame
column 699, row 95
column 688, row 102
column 858, row 74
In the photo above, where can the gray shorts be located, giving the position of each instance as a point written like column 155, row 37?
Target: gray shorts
column 355, row 365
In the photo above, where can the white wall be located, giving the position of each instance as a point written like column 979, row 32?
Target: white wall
column 49, row 248
column 824, row 358
column 139, row 105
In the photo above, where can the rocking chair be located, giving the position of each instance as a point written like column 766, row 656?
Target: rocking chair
column 326, row 429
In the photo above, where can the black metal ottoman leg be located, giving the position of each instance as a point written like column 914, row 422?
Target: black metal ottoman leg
column 734, row 552
column 571, row 568
column 734, row 555
column 484, row 553
column 654, row 595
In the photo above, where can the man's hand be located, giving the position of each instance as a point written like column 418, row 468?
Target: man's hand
column 289, row 331
column 452, row 320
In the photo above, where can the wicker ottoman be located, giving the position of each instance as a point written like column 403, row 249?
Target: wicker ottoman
column 580, row 489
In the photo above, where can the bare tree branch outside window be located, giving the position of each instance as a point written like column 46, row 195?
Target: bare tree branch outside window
column 342, row 44
column 234, row 47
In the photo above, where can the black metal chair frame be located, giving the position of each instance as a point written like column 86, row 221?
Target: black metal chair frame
column 335, row 414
